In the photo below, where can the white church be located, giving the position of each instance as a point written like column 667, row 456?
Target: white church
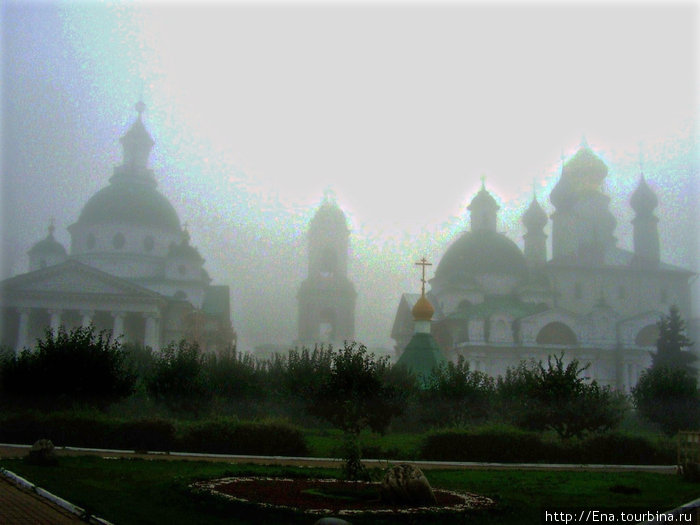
column 130, row 269
column 497, row 305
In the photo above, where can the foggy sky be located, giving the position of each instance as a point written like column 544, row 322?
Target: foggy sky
column 398, row 108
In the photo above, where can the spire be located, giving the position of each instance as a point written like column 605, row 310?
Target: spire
column 643, row 200
column 137, row 142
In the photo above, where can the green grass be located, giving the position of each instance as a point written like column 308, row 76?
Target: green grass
column 132, row 491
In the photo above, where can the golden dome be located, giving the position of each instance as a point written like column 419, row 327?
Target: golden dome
column 423, row 310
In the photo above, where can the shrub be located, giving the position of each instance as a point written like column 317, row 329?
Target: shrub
column 77, row 367
column 669, row 397
column 228, row 436
column 493, row 443
column 176, row 379
column 557, row 397
column 456, row 395
column 233, row 375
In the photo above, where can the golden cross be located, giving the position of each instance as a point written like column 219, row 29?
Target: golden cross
column 423, row 262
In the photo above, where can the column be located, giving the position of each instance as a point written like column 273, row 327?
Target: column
column 55, row 321
column 86, row 317
column 118, row 327
column 151, row 332
column 22, row 330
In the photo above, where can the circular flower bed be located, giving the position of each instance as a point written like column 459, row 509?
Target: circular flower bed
column 323, row 496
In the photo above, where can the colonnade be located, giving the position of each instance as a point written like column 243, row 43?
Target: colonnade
column 151, row 326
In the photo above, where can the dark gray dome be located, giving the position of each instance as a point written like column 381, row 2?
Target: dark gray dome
column 130, row 203
column 48, row 246
column 481, row 252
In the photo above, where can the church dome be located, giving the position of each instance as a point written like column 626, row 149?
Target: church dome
column 133, row 204
column 132, row 198
column 185, row 250
column 483, row 200
column 534, row 217
column 643, row 199
column 481, row 252
column 583, row 173
column 48, row 247
column 329, row 216
column 423, row 310
column 587, row 163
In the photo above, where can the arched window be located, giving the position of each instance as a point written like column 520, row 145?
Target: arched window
column 326, row 326
column 329, row 262
column 118, row 241
column 556, row 333
column 647, row 336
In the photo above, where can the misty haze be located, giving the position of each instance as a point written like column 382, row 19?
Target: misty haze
column 453, row 195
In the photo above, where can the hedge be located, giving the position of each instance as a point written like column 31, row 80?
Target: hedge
column 225, row 436
column 504, row 444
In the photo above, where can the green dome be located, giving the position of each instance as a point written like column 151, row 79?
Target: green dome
column 481, row 252
column 130, row 203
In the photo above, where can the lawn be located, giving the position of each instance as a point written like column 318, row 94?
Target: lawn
column 135, row 491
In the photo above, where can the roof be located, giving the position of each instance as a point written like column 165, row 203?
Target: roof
column 481, row 252
column 421, row 356
column 491, row 305
column 129, row 202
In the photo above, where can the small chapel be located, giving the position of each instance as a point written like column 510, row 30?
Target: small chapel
column 131, row 269
column 497, row 305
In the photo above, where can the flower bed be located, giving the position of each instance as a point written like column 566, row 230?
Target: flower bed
column 323, row 496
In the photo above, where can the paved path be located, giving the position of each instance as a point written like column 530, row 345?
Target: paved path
column 20, row 506
column 8, row 451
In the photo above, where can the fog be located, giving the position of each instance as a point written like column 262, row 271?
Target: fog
column 399, row 109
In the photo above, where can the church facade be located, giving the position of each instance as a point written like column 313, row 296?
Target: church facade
column 497, row 305
column 131, row 269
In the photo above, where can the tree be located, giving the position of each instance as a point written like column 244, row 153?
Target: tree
column 457, row 395
column 176, row 378
column 69, row 368
column 669, row 397
column 671, row 343
column 557, row 397
column 356, row 395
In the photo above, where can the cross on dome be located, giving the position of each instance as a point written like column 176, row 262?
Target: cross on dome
column 423, row 263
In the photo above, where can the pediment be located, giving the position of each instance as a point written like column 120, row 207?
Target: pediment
column 73, row 277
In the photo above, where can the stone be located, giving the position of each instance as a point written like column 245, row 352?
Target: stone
column 406, row 484
column 42, row 453
column 331, row 521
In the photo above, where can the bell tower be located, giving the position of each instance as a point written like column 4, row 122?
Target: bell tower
column 327, row 297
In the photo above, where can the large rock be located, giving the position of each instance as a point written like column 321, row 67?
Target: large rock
column 42, row 453
column 406, row 484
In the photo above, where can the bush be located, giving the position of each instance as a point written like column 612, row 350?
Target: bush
column 176, row 379
column 503, row 444
column 232, row 375
column 456, row 395
column 79, row 367
column 669, row 397
column 228, row 436
column 625, row 449
column 558, row 398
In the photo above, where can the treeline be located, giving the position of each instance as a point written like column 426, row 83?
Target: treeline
column 82, row 368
